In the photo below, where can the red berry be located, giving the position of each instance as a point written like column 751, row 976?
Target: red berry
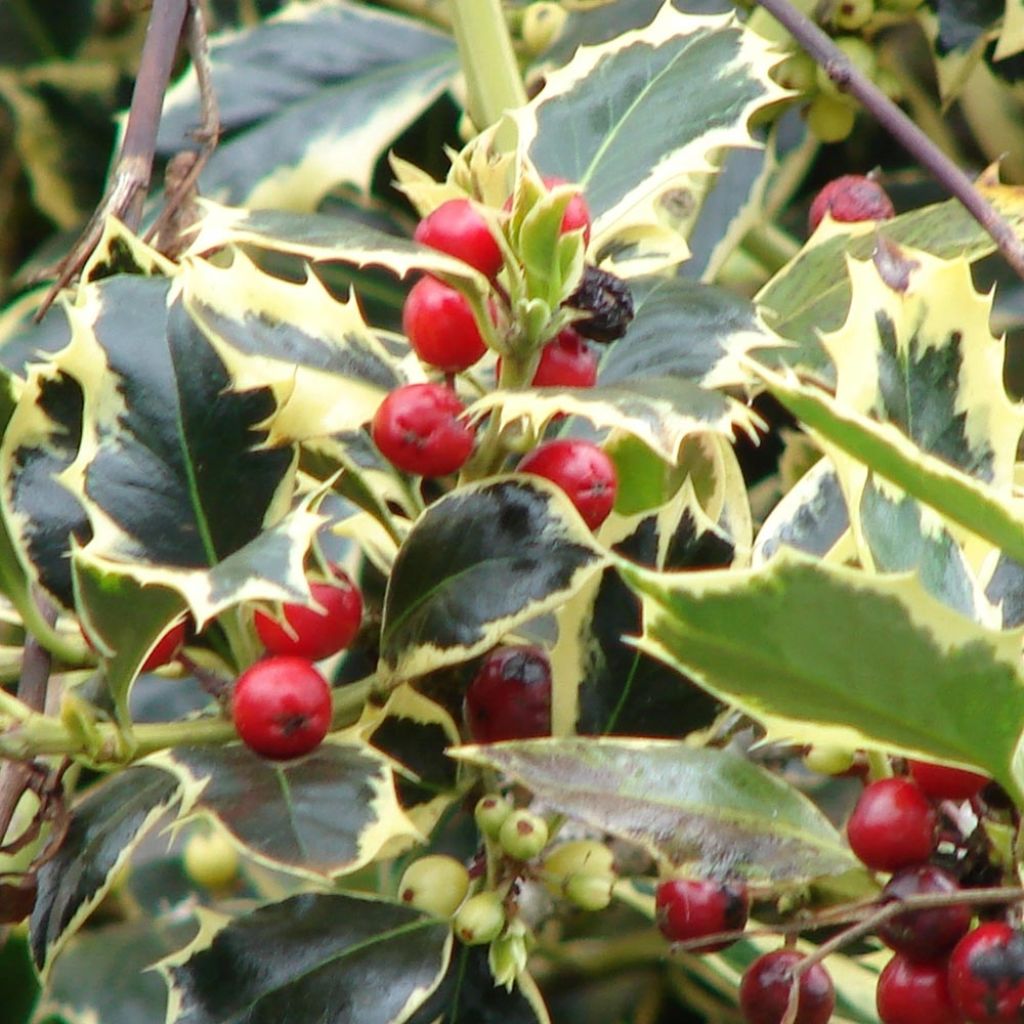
column 914, row 993
column 922, row 935
column 577, row 213
column 441, row 327
column 765, row 987
column 457, row 228
column 510, row 696
column 311, row 633
column 417, row 428
column 851, row 198
column 941, row 782
column 892, row 826
column 166, row 649
column 691, row 908
column 566, row 362
column 281, row 707
column 582, row 470
column 986, row 974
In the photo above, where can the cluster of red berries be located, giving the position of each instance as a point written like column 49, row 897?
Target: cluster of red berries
column 281, row 705
column 421, row 428
column 943, row 971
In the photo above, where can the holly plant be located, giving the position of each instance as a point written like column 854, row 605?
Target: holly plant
column 464, row 559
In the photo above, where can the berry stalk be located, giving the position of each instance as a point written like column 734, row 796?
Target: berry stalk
column 848, row 79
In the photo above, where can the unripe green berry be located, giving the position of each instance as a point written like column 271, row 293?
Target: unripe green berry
column 210, row 859
column 853, row 14
column 480, row 919
column 860, row 55
column 900, row 6
column 578, row 857
column 798, row 72
column 831, row 120
column 523, row 835
column 542, row 24
column 491, row 812
column 589, row 892
column 828, row 759
column 435, row 884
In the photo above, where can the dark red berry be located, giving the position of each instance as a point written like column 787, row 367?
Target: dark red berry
column 851, row 198
column 941, row 782
column 167, row 648
column 924, row 934
column 281, row 707
column 689, row 908
column 892, row 826
column 457, row 228
column 417, row 428
column 566, row 362
column 582, row 470
column 914, row 993
column 986, row 975
column 311, row 633
column 765, row 987
column 577, row 213
column 510, row 696
column 441, row 327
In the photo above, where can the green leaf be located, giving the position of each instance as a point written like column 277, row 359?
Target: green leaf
column 811, row 294
column 105, row 828
column 686, row 329
column 978, row 508
column 683, row 804
column 591, row 123
column 476, row 564
column 102, row 974
column 309, row 956
column 781, row 643
column 326, row 814
column 309, row 99
column 326, row 369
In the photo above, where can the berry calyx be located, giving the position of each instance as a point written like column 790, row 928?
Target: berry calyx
column 848, row 199
column 509, row 698
column 480, row 919
column 457, row 228
column 689, row 908
column 765, row 987
column 892, row 826
column 941, row 782
column 523, row 835
column 923, row 935
column 310, row 633
column 436, row 884
column 914, row 993
column 566, row 362
column 281, row 707
column 441, row 327
column 986, row 974
column 417, row 429
column 582, row 470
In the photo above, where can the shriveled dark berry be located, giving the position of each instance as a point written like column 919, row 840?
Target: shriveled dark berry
column 922, row 935
column 609, row 302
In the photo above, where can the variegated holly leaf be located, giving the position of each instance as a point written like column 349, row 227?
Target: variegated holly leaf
column 1004, row 590
column 659, row 410
column 591, row 123
column 309, row 956
column 689, row 330
column 916, row 351
column 309, row 99
column 780, row 643
column 976, row 507
column 325, row 368
column 812, row 292
column 700, row 805
column 326, row 814
column 600, row 682
column 477, row 563
column 812, row 517
column 103, row 973
column 108, row 824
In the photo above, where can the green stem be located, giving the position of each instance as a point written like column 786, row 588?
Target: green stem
column 772, row 247
column 41, row 735
column 489, row 64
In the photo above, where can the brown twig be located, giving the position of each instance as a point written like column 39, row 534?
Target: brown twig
column 847, row 78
